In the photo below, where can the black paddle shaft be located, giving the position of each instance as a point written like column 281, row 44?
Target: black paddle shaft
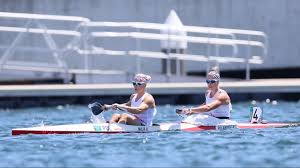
column 98, row 108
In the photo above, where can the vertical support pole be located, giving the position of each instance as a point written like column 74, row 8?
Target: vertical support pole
column 85, row 47
column 137, row 48
column 178, row 68
column 86, row 52
column 168, row 59
column 208, row 54
column 217, row 48
column 217, row 54
column 248, row 57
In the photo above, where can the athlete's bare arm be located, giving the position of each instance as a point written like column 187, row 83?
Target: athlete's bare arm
column 148, row 102
column 221, row 98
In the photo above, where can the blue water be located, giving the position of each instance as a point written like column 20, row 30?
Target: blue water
column 274, row 147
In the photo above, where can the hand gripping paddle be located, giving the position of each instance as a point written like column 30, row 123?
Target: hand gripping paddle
column 98, row 108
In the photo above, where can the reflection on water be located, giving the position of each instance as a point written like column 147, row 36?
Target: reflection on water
column 267, row 147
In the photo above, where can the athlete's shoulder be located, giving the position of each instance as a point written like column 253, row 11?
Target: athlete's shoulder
column 149, row 96
column 149, row 99
column 222, row 95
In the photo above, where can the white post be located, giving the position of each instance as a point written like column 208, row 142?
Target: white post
column 248, row 57
column 168, row 53
column 86, row 54
column 85, row 47
column 177, row 63
column 208, row 54
column 217, row 47
column 138, row 60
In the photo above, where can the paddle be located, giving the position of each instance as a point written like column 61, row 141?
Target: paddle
column 98, row 108
column 178, row 111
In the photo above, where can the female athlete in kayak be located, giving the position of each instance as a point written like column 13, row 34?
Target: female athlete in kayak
column 141, row 105
column 217, row 102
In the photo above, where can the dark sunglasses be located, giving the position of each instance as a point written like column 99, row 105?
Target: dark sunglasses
column 211, row 81
column 137, row 83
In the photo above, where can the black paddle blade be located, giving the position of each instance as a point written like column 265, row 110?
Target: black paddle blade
column 96, row 108
column 178, row 111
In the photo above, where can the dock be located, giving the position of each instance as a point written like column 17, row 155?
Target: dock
column 252, row 86
column 166, row 93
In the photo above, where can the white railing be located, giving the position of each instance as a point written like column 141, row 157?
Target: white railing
column 232, row 41
column 84, row 30
column 34, row 24
column 43, row 17
column 192, row 29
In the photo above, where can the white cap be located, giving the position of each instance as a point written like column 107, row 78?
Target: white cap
column 142, row 78
column 214, row 74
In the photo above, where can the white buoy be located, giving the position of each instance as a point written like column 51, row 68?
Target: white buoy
column 274, row 102
column 60, row 107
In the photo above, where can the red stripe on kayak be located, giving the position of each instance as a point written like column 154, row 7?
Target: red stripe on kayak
column 200, row 128
column 195, row 128
column 22, row 132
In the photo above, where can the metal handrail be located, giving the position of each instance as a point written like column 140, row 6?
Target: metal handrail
column 155, row 36
column 193, row 29
column 81, row 38
column 43, row 17
column 40, row 31
column 191, row 39
column 46, row 33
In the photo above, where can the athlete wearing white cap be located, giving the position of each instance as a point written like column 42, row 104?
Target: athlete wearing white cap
column 217, row 102
column 141, row 105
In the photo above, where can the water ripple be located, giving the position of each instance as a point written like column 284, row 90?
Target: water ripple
column 231, row 148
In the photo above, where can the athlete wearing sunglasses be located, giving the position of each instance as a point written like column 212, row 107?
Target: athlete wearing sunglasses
column 137, row 83
column 217, row 101
column 141, row 105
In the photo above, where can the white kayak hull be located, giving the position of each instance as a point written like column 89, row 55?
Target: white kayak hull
column 106, row 128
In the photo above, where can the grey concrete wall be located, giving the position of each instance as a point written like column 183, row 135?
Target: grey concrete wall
column 279, row 19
